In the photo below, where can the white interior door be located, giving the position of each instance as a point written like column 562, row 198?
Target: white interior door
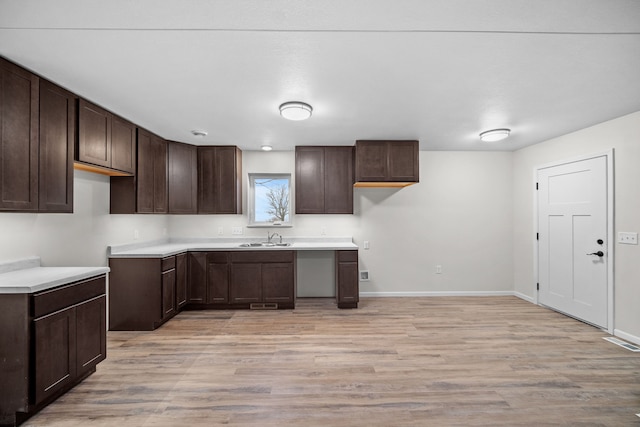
column 573, row 240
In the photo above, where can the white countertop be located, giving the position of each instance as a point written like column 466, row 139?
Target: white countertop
column 164, row 248
column 26, row 276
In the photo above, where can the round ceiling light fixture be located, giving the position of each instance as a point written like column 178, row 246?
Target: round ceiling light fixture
column 295, row 110
column 494, row 135
column 199, row 133
column 266, row 147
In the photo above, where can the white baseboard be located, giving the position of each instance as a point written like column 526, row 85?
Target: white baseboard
column 524, row 297
column 627, row 337
column 438, row 294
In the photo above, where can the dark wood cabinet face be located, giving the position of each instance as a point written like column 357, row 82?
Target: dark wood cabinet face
column 183, row 178
column 55, row 353
column 197, row 285
column 246, row 283
column 94, row 134
column 181, row 280
column 218, row 283
column 347, row 279
column 160, row 176
column 219, row 180
column 168, row 293
column 387, row 161
column 91, row 330
column 324, row 180
column 19, row 100
column 57, row 144
column 123, row 145
column 151, row 175
column 277, row 282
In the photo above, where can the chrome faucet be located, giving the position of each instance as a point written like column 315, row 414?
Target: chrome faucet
column 269, row 237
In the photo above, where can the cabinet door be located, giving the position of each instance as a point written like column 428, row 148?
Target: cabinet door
column 310, row 180
column 160, row 176
column 217, row 278
column 19, row 138
column 347, row 279
column 54, row 352
column 246, row 286
column 123, row 145
column 183, row 178
column 151, row 174
column 91, row 333
column 94, row 134
column 338, row 180
column 197, row 284
column 219, row 180
column 278, row 282
column 403, row 161
column 57, row 144
column 168, row 293
column 371, row 160
column 181, row 281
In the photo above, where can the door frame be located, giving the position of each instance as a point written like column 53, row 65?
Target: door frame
column 611, row 241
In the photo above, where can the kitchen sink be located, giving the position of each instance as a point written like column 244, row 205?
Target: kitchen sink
column 263, row 245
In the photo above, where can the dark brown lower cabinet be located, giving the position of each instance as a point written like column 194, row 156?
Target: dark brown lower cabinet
column 347, row 292
column 145, row 292
column 49, row 342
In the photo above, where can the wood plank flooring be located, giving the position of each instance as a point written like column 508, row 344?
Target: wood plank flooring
column 440, row 361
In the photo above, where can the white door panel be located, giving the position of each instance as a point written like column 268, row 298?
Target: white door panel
column 572, row 217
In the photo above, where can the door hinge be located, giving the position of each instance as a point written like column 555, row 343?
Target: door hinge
column 537, row 286
column 536, row 185
column 537, row 236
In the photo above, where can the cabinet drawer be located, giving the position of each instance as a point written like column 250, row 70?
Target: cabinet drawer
column 217, row 257
column 347, row 256
column 262, row 256
column 168, row 263
column 51, row 300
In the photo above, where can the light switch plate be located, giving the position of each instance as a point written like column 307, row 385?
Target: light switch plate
column 236, row 230
column 627, row 238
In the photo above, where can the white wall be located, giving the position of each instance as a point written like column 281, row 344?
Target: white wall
column 458, row 216
column 623, row 135
column 78, row 239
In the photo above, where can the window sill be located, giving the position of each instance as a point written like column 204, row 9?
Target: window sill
column 269, row 226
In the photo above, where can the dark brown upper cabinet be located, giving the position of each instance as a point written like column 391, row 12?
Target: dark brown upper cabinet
column 324, row 180
column 106, row 142
column 19, row 101
column 183, row 178
column 219, row 180
column 146, row 192
column 386, row 163
column 57, row 143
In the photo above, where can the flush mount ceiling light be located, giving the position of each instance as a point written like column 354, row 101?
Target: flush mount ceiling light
column 266, row 147
column 199, row 133
column 494, row 135
column 295, row 110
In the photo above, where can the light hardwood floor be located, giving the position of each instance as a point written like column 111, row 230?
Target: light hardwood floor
column 440, row 361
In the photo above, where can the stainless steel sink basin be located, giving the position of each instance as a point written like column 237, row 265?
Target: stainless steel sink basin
column 262, row 245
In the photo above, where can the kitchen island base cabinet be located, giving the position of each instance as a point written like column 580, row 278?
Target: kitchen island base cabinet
column 145, row 292
column 49, row 342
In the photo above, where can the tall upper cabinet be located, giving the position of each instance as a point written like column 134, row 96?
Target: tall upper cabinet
column 219, row 180
column 183, row 178
column 146, row 192
column 324, row 180
column 37, row 139
column 105, row 141
column 19, row 95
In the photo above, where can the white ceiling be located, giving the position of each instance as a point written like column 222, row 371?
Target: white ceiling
column 440, row 71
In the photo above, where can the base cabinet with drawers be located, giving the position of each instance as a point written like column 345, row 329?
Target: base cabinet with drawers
column 49, row 342
column 145, row 292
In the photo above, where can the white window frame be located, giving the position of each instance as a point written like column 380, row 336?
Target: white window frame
column 251, row 201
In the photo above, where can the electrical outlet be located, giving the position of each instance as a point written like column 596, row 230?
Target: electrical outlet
column 323, row 231
column 366, row 244
column 364, row 275
column 136, row 234
column 236, row 230
column 220, row 231
column 627, row 238
column 438, row 269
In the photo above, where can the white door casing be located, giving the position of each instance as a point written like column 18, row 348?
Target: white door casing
column 574, row 213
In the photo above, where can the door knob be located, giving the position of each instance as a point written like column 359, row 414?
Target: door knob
column 599, row 253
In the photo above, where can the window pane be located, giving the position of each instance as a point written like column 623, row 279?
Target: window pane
column 271, row 199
